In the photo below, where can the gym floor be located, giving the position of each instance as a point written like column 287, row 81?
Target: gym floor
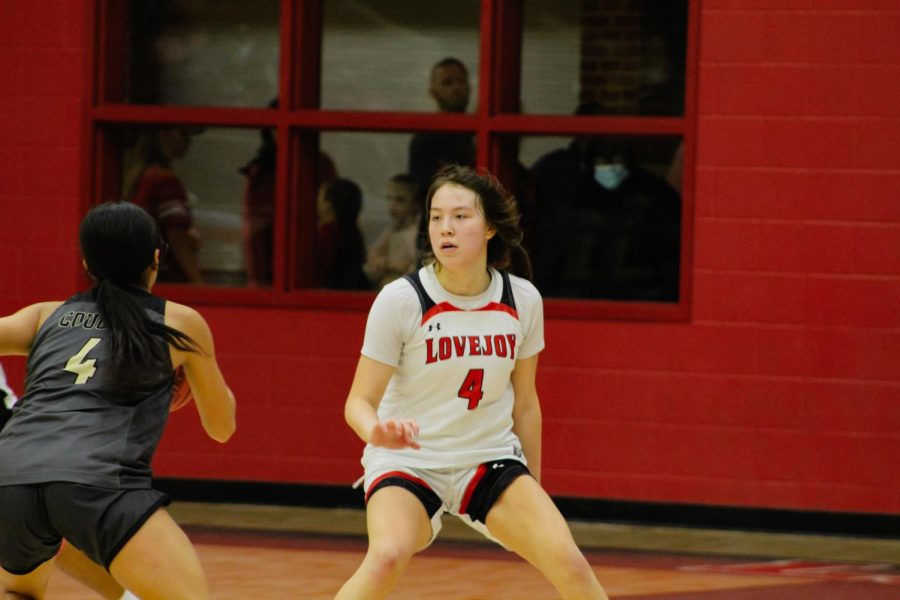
column 274, row 552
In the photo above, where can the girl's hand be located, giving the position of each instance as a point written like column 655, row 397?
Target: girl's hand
column 395, row 434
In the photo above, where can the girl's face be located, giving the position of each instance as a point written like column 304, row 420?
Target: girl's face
column 174, row 142
column 401, row 202
column 457, row 229
column 324, row 210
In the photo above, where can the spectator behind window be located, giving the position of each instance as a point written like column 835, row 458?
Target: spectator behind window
column 605, row 226
column 394, row 252
column 340, row 251
column 150, row 182
column 430, row 151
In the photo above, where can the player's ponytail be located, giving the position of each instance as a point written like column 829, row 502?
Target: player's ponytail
column 119, row 241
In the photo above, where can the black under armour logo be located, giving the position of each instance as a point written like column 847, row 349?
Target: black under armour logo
column 435, row 326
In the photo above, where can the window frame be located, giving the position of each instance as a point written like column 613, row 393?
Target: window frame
column 297, row 121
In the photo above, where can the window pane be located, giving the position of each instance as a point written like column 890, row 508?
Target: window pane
column 211, row 192
column 379, row 55
column 628, row 56
column 388, row 220
column 602, row 215
column 199, row 52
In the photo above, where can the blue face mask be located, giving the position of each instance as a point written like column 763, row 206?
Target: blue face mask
column 610, row 176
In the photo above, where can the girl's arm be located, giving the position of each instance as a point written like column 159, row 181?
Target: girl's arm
column 18, row 330
column 527, row 412
column 360, row 410
column 213, row 398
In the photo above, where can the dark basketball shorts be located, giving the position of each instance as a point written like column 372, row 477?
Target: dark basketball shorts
column 468, row 492
column 5, row 413
column 98, row 521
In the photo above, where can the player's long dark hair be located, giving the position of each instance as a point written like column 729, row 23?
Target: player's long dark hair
column 501, row 212
column 118, row 241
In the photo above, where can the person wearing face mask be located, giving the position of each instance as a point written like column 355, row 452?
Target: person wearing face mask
column 640, row 241
column 606, row 227
column 610, row 175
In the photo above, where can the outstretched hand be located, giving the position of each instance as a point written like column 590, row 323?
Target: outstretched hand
column 395, row 434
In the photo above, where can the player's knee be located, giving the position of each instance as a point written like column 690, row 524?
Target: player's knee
column 388, row 561
column 575, row 566
column 567, row 560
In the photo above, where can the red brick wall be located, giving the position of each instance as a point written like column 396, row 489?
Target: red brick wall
column 610, row 54
column 783, row 390
column 631, row 53
column 40, row 135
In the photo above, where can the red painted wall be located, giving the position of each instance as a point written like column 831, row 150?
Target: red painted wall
column 783, row 389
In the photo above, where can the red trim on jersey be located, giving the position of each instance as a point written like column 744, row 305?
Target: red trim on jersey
column 399, row 474
column 470, row 489
column 501, row 308
column 447, row 307
column 438, row 309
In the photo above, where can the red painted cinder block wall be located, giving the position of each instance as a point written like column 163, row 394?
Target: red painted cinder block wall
column 783, row 388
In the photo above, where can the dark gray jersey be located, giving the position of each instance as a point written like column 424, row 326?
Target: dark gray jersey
column 76, row 422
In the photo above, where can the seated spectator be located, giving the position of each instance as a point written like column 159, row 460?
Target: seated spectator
column 340, row 251
column 642, row 226
column 150, row 182
column 605, row 226
column 394, row 252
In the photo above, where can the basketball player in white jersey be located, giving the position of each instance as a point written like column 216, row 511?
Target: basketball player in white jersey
column 444, row 396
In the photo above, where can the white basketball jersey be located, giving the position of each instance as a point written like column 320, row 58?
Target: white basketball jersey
column 454, row 356
column 6, row 393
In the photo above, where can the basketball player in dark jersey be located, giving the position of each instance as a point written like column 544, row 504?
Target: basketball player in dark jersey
column 75, row 456
column 70, row 560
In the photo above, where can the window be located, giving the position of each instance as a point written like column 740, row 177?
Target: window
column 582, row 108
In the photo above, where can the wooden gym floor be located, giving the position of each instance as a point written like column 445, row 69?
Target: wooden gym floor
column 272, row 552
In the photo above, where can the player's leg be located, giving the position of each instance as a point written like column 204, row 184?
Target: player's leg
column 29, row 585
column 131, row 535
column 28, row 543
column 76, row 565
column 526, row 521
column 399, row 526
column 159, row 562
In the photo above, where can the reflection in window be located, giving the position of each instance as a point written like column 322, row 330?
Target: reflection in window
column 601, row 214
column 197, row 52
column 199, row 186
column 379, row 54
column 389, row 215
column 627, row 56
column 602, row 219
